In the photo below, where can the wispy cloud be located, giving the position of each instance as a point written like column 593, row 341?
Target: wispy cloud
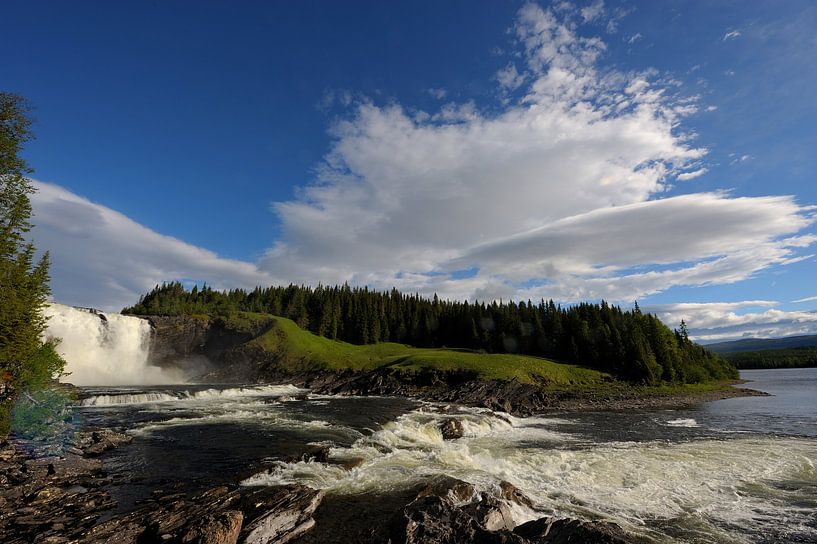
column 715, row 321
column 438, row 93
column 686, row 176
column 807, row 299
column 104, row 259
column 593, row 11
column 731, row 35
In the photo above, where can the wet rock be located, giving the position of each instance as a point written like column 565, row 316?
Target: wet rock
column 510, row 493
column 218, row 528
column 350, row 463
column 121, row 530
column 458, row 491
column 279, row 514
column 491, row 513
column 317, row 454
column 93, row 443
column 451, row 429
column 48, row 499
column 434, row 520
column 569, row 531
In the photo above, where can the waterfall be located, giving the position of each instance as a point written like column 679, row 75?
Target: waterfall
column 105, row 349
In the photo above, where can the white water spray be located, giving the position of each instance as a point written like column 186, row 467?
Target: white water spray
column 105, row 349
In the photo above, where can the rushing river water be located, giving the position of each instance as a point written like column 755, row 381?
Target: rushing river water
column 738, row 470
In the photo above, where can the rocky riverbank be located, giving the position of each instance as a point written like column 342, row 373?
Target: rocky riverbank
column 518, row 399
column 63, row 499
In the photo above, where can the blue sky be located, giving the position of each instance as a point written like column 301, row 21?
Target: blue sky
column 475, row 149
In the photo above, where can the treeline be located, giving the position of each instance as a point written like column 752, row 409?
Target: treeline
column 803, row 357
column 630, row 344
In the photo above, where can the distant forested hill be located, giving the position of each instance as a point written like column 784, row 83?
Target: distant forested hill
column 757, row 344
column 801, row 357
column 788, row 352
column 628, row 344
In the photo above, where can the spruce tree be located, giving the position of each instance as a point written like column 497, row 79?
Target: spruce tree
column 26, row 362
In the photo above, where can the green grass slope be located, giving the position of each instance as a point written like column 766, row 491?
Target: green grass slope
column 301, row 350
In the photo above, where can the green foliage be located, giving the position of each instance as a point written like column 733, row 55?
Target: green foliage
column 628, row 344
column 299, row 350
column 803, row 357
column 25, row 362
column 43, row 418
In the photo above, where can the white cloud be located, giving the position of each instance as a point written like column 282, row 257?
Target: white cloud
column 634, row 38
column 439, row 94
column 509, row 78
column 103, row 259
column 686, row 176
column 593, row 11
column 807, row 299
column 557, row 194
column 731, row 35
column 717, row 321
column 399, row 197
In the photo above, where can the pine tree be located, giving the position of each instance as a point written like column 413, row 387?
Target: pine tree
column 25, row 361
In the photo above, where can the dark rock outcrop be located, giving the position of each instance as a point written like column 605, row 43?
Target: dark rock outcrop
column 433, row 520
column 510, row 493
column 438, row 516
column 279, row 514
column 569, row 531
column 93, row 443
column 49, row 499
column 219, row 528
column 451, row 429
column 217, row 516
column 201, row 344
column 446, row 487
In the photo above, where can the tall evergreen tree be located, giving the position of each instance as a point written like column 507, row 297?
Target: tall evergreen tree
column 25, row 361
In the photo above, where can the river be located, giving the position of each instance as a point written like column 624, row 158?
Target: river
column 737, row 470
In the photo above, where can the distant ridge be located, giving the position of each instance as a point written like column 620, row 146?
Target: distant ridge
column 759, row 344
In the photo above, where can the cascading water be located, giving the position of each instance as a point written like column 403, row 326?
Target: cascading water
column 105, row 349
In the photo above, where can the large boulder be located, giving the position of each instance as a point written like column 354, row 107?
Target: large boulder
column 510, row 493
column 451, row 429
column 446, row 487
column 279, row 514
column 572, row 531
column 218, row 528
column 491, row 513
column 435, row 520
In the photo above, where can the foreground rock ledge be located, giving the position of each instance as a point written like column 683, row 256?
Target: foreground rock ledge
column 59, row 500
column 217, row 516
column 439, row 516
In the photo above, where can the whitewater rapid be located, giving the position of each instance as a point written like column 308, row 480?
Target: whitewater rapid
column 712, row 488
column 709, row 475
column 105, row 348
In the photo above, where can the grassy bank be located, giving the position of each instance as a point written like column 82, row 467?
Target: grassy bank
column 301, row 350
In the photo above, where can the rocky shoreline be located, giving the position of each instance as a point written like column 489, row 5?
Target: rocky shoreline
column 58, row 500
column 518, row 399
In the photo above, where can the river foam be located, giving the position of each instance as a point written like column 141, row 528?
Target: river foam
column 280, row 391
column 714, row 488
